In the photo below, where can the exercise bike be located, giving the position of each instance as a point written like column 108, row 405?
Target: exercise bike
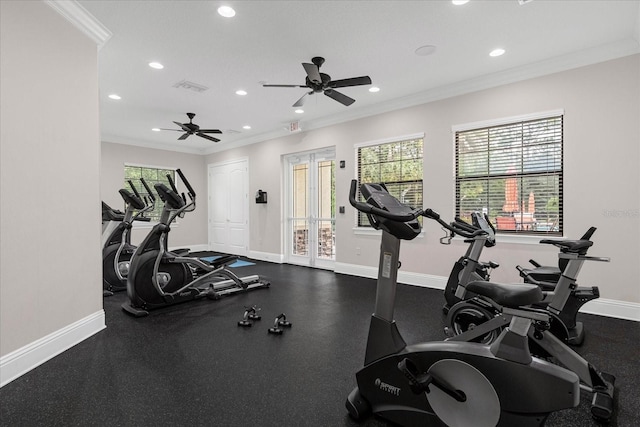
column 562, row 299
column 547, row 276
column 117, row 249
column 450, row 383
column 159, row 278
column 482, row 318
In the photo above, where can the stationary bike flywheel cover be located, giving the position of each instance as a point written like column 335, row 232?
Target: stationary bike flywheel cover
column 481, row 407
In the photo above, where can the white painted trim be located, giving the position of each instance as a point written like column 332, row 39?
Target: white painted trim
column 155, row 145
column 601, row 307
column 192, row 248
column 24, row 359
column 81, row 19
column 266, row 256
column 613, row 308
column 390, row 140
column 507, row 120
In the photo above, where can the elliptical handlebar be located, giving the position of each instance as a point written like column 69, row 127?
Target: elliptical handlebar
column 135, row 190
column 192, row 193
column 146, row 186
column 367, row 208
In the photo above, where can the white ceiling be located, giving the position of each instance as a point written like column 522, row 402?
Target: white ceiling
column 267, row 41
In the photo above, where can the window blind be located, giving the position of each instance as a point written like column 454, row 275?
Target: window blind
column 512, row 172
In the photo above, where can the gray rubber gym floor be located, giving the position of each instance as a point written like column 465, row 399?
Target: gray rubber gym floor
column 191, row 365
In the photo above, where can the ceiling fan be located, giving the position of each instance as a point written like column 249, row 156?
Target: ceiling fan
column 193, row 129
column 321, row 82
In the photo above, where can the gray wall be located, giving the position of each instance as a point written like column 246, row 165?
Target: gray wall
column 601, row 154
column 49, row 189
column 190, row 230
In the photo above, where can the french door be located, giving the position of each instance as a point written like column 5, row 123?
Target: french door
column 310, row 209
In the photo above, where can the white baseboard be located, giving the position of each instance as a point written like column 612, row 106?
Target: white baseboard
column 612, row 308
column 24, row 359
column 601, row 307
column 266, row 256
column 192, row 248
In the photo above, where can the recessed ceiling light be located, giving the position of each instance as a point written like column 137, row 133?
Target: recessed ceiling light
column 425, row 50
column 226, row 11
column 459, row 2
column 156, row 65
column 241, row 92
column 374, row 89
column 299, row 111
column 246, row 127
column 497, row 52
column 114, row 96
column 155, row 130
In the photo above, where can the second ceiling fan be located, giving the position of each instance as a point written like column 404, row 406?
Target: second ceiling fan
column 321, row 82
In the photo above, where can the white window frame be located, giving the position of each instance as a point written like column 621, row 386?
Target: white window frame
column 504, row 237
column 370, row 231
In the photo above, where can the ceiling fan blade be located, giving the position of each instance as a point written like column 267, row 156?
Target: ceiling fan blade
column 183, row 136
column 354, row 81
column 210, row 131
column 210, row 138
column 177, row 130
column 340, row 97
column 184, row 128
column 283, row 86
column 312, row 72
column 300, row 102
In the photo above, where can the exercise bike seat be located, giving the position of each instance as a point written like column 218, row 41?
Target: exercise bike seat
column 570, row 246
column 507, row 295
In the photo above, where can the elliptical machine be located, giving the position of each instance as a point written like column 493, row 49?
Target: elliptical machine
column 117, row 249
column 159, row 278
column 450, row 383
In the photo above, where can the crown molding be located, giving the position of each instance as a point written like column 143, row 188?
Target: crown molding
column 114, row 139
column 81, row 19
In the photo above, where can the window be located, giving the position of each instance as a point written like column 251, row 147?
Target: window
column 513, row 172
column 152, row 176
column 397, row 164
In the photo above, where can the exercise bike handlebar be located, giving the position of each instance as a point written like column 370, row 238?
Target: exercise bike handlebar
column 370, row 209
column 457, row 227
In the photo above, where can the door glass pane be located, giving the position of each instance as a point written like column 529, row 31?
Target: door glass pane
column 326, row 189
column 300, row 237
column 326, row 239
column 300, row 184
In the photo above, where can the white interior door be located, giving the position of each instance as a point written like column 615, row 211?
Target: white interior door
column 229, row 207
column 310, row 202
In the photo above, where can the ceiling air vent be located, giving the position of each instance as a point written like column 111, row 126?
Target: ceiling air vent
column 230, row 131
column 187, row 85
column 523, row 2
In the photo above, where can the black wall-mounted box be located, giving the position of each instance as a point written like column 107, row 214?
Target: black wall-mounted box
column 261, row 196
